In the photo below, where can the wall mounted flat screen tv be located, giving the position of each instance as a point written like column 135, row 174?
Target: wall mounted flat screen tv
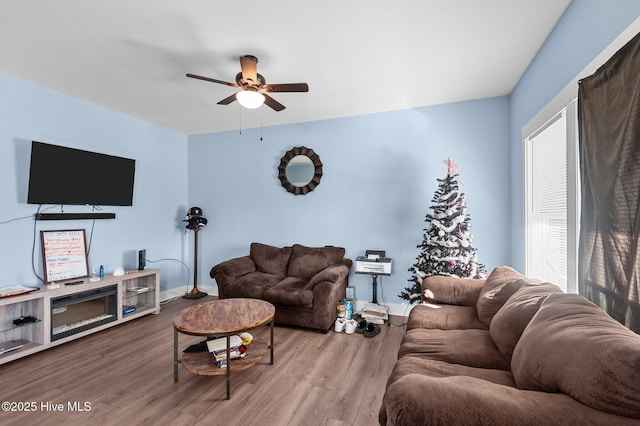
column 61, row 175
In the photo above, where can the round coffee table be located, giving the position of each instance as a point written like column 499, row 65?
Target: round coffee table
column 223, row 318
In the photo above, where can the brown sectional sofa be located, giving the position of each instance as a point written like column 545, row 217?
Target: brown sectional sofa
column 305, row 284
column 509, row 350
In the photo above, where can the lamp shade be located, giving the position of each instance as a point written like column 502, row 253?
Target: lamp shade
column 250, row 99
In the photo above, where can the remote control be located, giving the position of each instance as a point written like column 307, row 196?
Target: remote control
column 24, row 320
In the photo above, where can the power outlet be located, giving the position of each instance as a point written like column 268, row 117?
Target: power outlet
column 351, row 293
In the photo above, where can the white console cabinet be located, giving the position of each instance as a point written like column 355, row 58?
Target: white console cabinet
column 73, row 311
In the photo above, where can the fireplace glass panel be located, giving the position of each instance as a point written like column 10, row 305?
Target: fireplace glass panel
column 82, row 311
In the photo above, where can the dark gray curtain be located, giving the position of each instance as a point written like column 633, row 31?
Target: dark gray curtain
column 609, row 131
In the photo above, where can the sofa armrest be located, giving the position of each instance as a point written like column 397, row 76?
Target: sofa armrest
column 416, row 399
column 333, row 273
column 328, row 287
column 234, row 267
column 452, row 290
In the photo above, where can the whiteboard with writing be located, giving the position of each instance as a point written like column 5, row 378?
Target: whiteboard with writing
column 64, row 254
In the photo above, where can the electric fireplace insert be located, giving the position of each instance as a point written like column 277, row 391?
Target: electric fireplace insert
column 78, row 312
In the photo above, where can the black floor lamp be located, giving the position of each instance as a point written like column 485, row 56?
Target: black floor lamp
column 195, row 222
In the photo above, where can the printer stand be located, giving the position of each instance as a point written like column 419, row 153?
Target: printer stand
column 374, row 263
column 375, row 289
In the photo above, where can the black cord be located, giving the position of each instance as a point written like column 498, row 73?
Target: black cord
column 35, row 233
column 16, row 219
column 93, row 224
column 174, row 260
column 35, row 215
column 33, row 246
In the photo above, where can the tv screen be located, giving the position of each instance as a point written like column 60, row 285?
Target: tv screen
column 60, row 175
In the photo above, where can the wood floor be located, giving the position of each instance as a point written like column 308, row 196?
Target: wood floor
column 125, row 376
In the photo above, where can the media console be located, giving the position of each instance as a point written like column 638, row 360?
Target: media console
column 35, row 321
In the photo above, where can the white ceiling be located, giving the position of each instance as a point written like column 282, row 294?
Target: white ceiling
column 358, row 57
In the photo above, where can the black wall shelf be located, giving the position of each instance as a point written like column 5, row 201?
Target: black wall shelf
column 74, row 216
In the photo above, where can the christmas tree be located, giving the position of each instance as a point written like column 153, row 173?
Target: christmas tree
column 447, row 248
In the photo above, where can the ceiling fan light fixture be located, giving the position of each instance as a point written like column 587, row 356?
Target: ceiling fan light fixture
column 253, row 87
column 250, row 99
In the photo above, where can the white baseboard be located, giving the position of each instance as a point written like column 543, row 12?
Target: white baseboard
column 169, row 295
column 396, row 309
column 177, row 292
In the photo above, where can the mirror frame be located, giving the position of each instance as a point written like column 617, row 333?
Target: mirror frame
column 317, row 173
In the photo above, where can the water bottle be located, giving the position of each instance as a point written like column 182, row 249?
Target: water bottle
column 348, row 309
column 101, row 271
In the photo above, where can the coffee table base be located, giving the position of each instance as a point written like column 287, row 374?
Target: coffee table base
column 223, row 318
column 201, row 363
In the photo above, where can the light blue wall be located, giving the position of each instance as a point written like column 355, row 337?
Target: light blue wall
column 380, row 171
column 586, row 28
column 29, row 112
column 380, row 174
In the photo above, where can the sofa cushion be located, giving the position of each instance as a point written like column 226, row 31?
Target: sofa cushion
column 510, row 321
column 291, row 291
column 433, row 368
column 233, row 268
column 269, row 259
column 573, row 346
column 447, row 317
column 307, row 261
column 417, row 399
column 453, row 290
column 473, row 348
column 251, row 285
column 499, row 286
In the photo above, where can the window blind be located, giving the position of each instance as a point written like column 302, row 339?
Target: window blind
column 546, row 187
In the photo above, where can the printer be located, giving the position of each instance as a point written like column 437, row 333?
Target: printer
column 373, row 263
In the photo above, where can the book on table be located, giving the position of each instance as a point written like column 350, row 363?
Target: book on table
column 218, row 349
column 16, row 290
column 374, row 313
column 220, row 357
column 221, row 343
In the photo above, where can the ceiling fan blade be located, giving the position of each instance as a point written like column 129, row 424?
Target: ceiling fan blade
column 212, row 80
column 249, row 65
column 287, row 87
column 227, row 100
column 272, row 103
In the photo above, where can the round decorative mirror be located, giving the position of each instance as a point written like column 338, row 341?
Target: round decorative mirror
column 300, row 170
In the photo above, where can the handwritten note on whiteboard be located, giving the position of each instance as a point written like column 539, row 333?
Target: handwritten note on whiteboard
column 64, row 254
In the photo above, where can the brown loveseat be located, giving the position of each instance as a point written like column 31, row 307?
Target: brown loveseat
column 305, row 284
column 510, row 350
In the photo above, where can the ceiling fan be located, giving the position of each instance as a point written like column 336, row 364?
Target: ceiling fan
column 254, row 86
